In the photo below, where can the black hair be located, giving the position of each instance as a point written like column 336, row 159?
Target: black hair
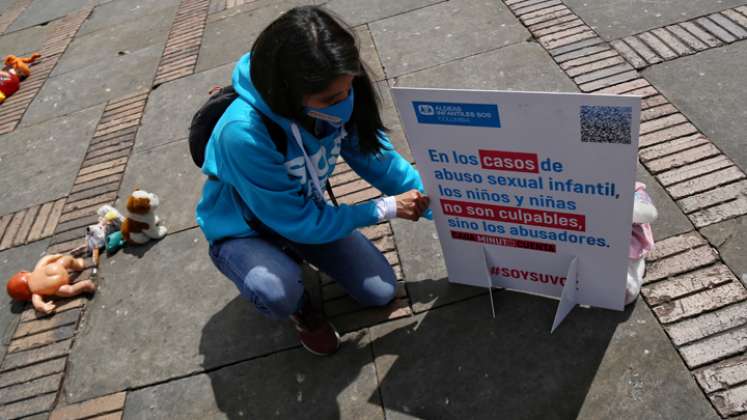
column 301, row 53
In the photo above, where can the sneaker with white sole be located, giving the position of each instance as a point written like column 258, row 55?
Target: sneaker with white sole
column 316, row 334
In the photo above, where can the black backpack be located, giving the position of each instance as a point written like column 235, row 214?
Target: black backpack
column 207, row 117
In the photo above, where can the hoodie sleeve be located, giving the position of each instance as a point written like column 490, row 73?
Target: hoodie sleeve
column 388, row 171
column 251, row 164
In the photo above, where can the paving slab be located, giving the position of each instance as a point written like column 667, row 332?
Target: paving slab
column 5, row 5
column 390, row 117
column 709, row 88
column 369, row 55
column 23, row 42
column 524, row 66
column 40, row 163
column 94, row 84
column 41, row 11
column 22, row 258
column 425, row 273
column 116, row 41
column 226, row 39
column 167, row 171
column 171, row 106
column 430, row 36
column 614, row 19
column 598, row 365
column 290, row 384
column 150, row 317
column 117, row 12
column 671, row 221
column 357, row 12
column 730, row 238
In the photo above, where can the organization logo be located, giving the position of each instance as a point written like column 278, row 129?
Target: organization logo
column 425, row 109
column 450, row 113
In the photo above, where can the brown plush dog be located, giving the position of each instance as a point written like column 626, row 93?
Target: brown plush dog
column 142, row 224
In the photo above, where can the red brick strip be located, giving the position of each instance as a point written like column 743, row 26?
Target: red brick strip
column 97, row 184
column 14, row 107
column 30, row 224
column 12, row 13
column 182, row 46
column 699, row 300
column 40, row 344
column 703, row 307
column 674, row 41
column 109, row 404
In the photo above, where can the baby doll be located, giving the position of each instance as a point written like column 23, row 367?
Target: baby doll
column 642, row 241
column 109, row 221
column 49, row 278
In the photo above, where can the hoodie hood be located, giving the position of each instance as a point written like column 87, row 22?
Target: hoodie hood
column 242, row 83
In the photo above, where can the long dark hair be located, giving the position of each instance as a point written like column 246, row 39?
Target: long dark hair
column 301, row 53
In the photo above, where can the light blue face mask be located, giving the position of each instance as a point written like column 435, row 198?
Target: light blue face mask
column 337, row 114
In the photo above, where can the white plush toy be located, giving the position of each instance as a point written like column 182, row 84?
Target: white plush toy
column 641, row 242
column 142, row 224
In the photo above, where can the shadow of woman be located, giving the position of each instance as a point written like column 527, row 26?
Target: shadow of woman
column 454, row 361
column 288, row 382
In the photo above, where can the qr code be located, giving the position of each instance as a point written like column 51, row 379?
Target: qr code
column 605, row 124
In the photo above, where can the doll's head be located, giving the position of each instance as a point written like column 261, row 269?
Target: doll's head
column 18, row 286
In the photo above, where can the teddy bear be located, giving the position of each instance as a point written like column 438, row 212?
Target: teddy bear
column 20, row 65
column 50, row 278
column 142, row 224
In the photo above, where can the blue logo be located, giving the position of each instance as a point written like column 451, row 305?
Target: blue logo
column 449, row 113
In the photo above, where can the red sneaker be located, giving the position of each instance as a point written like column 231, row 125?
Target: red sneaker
column 317, row 335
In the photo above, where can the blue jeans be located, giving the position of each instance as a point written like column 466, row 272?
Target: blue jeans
column 271, row 279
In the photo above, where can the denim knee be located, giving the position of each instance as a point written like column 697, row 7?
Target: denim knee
column 378, row 290
column 280, row 297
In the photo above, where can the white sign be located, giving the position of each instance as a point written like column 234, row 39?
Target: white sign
column 530, row 191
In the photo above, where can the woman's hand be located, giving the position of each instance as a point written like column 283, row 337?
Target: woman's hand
column 411, row 205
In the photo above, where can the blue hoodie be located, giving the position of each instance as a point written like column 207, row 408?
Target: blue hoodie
column 254, row 180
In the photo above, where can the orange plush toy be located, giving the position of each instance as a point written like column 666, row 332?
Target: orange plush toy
column 20, row 64
column 15, row 70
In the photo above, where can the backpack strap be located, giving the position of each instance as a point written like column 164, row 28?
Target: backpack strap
column 277, row 134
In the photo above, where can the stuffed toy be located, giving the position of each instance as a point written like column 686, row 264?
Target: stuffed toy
column 20, row 64
column 49, row 278
column 641, row 242
column 114, row 242
column 15, row 70
column 142, row 224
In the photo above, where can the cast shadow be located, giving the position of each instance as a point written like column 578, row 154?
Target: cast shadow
column 139, row 251
column 453, row 361
column 456, row 361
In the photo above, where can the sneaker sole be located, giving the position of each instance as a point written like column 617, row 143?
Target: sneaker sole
column 316, row 353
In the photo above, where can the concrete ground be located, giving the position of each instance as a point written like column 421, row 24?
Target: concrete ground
column 167, row 336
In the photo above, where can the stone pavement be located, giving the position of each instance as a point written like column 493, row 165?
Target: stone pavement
column 166, row 336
